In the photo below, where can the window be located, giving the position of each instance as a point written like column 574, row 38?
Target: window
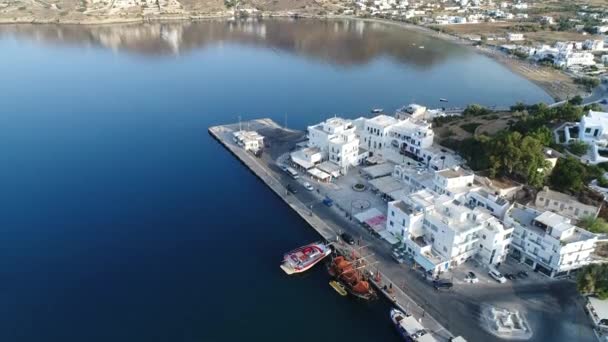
column 392, row 213
column 392, row 224
column 484, row 236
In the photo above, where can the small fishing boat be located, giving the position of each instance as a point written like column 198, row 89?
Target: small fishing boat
column 303, row 258
column 338, row 287
column 377, row 110
column 443, row 100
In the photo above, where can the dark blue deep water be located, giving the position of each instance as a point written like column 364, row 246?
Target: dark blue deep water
column 122, row 220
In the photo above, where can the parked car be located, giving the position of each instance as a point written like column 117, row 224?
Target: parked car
column 497, row 276
column 283, row 167
column 328, row 201
column 292, row 189
column 522, row 274
column 471, row 278
column 442, row 285
column 347, row 238
column 308, row 187
column 509, row 276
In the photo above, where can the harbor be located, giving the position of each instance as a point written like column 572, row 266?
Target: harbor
column 274, row 178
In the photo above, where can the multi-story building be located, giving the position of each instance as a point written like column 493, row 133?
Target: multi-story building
column 408, row 137
column 593, row 130
column 441, row 232
column 564, row 205
column 375, row 131
column 548, row 242
column 337, row 139
column 249, row 140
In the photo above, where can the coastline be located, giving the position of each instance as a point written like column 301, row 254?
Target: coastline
column 557, row 84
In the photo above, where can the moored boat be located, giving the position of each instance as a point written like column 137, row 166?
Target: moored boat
column 338, row 287
column 409, row 328
column 443, row 100
column 303, row 258
column 352, row 279
column 377, row 110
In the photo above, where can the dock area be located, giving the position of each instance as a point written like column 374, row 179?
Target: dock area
column 265, row 168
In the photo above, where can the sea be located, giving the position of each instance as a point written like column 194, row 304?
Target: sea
column 121, row 219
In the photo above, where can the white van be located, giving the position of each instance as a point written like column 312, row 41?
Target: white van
column 497, row 276
column 292, row 173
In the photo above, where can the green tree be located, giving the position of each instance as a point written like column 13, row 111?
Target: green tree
column 593, row 280
column 544, row 135
column 475, row 110
column 576, row 100
column 594, row 224
column 568, row 175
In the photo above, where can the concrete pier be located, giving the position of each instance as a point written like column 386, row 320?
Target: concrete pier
column 328, row 230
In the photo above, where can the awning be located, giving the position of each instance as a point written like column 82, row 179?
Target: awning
column 389, row 237
column 386, row 185
column 379, row 170
column 368, row 214
column 319, row 174
column 301, row 162
column 330, row 168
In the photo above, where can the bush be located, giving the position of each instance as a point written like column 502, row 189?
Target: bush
column 470, row 127
column 475, row 110
column 603, row 182
column 578, row 148
column 588, row 82
column 577, row 100
column 593, row 279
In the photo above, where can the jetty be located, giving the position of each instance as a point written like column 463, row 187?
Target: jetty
column 267, row 171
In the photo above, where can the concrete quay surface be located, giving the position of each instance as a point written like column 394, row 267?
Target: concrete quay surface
column 552, row 307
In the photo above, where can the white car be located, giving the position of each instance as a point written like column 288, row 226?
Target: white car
column 471, row 278
column 497, row 276
column 308, row 187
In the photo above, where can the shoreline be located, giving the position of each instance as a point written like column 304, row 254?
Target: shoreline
column 555, row 83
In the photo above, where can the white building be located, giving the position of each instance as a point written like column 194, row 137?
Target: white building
column 374, row 132
column 548, row 20
column 548, row 242
column 593, row 130
column 564, row 205
column 570, row 59
column 593, row 45
column 249, row 140
column 441, row 232
column 337, row 139
column 514, row 37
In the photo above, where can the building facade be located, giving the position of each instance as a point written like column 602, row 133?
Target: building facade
column 548, row 242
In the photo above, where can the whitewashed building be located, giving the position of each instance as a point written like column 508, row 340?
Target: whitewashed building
column 375, row 131
column 593, row 45
column 571, row 59
column 515, row 37
column 564, row 205
column 336, row 138
column 441, row 232
column 593, row 130
column 549, row 242
column 249, row 140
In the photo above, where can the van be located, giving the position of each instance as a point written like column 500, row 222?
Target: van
column 442, row 285
column 497, row 276
column 292, row 173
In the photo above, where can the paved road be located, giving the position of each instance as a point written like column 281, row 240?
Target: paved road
column 554, row 310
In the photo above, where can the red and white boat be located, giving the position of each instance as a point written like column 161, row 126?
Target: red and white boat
column 305, row 257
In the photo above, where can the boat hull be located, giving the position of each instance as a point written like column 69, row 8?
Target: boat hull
column 288, row 267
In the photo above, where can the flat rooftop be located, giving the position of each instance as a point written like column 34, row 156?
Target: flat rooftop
column 454, row 173
column 383, row 120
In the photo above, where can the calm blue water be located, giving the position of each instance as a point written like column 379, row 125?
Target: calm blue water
column 122, row 220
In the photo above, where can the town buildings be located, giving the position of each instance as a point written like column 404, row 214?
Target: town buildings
column 565, row 205
column 549, row 242
column 441, row 232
